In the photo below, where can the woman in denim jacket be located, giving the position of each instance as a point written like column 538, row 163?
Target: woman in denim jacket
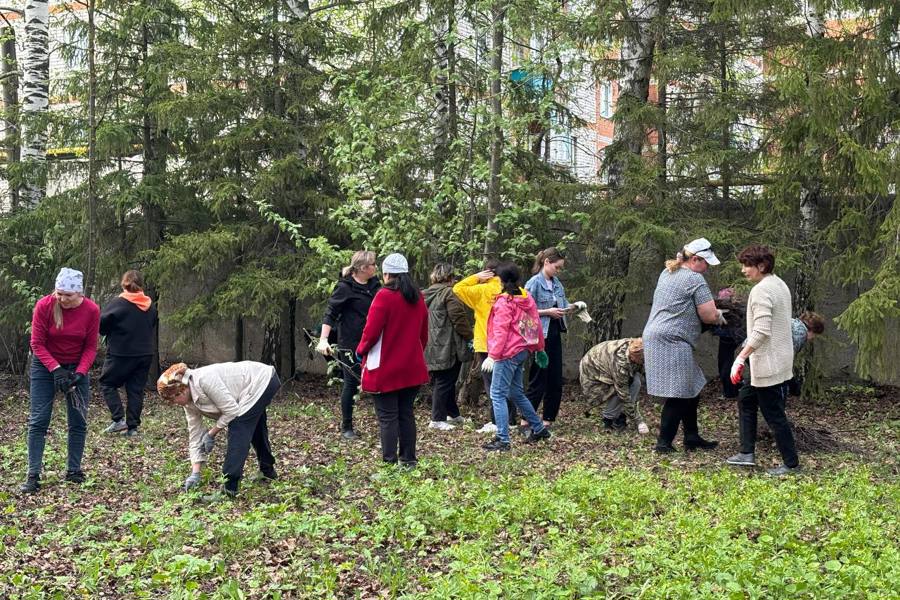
column 548, row 293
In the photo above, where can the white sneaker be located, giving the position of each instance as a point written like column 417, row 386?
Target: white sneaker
column 488, row 428
column 441, row 426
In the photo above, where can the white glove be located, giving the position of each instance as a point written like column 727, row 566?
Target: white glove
column 580, row 309
column 323, row 347
column 488, row 365
column 720, row 320
column 192, row 481
column 643, row 429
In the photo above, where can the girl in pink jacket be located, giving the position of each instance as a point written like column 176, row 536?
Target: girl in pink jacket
column 514, row 330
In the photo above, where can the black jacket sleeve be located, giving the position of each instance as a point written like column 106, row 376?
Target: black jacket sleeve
column 108, row 317
column 335, row 307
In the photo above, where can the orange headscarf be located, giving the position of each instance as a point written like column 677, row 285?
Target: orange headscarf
column 171, row 382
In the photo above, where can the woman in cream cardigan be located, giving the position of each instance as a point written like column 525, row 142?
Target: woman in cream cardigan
column 235, row 396
column 770, row 349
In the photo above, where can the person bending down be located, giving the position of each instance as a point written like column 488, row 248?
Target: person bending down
column 611, row 371
column 235, row 395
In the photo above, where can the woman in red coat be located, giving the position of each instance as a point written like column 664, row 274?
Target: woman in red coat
column 393, row 365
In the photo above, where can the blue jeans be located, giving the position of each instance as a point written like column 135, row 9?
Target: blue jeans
column 42, row 395
column 507, row 383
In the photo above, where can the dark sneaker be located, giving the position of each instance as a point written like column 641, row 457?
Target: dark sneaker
column 742, row 459
column 31, row 485
column 534, row 438
column 268, row 475
column 408, row 466
column 661, row 448
column 75, row 477
column 349, row 435
column 131, row 433
column 783, row 471
column 608, row 424
column 621, row 422
column 116, row 427
column 698, row 443
column 497, row 445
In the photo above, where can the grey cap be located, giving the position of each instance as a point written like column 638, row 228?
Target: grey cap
column 395, row 264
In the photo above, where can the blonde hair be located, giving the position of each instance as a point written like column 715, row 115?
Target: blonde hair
column 57, row 313
column 132, row 281
column 361, row 258
column 680, row 258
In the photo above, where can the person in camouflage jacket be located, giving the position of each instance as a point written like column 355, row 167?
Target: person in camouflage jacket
column 611, row 371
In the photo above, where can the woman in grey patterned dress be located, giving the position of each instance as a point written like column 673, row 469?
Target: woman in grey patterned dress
column 681, row 302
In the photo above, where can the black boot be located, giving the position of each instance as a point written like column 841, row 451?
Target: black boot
column 692, row 439
column 75, row 476
column 668, row 424
column 608, row 424
column 621, row 422
column 31, row 485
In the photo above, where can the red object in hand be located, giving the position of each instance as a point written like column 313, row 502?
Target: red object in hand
column 737, row 373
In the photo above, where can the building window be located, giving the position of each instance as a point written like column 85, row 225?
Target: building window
column 606, row 110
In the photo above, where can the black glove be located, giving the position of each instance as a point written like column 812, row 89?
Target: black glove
column 77, row 379
column 62, row 378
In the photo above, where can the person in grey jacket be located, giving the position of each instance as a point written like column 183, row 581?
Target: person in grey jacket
column 449, row 345
column 236, row 396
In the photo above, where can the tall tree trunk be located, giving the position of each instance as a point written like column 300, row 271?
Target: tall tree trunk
column 726, row 130
column 92, row 153
column 498, row 13
column 154, row 154
column 35, row 100
column 636, row 64
column 804, row 289
column 10, row 105
column 445, row 89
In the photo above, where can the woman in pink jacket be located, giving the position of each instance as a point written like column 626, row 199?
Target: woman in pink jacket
column 514, row 329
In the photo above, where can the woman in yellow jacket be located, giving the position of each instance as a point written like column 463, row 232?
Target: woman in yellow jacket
column 478, row 292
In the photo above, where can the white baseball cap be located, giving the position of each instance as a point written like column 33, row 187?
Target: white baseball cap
column 703, row 248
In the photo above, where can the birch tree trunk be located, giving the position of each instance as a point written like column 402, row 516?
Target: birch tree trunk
column 809, row 195
column 636, row 60
column 9, row 73
column 92, row 151
column 35, row 100
column 498, row 13
column 629, row 138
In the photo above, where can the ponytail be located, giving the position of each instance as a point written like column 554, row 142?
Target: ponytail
column 403, row 283
column 133, row 281
column 360, row 259
column 57, row 313
column 680, row 258
column 552, row 254
column 510, row 277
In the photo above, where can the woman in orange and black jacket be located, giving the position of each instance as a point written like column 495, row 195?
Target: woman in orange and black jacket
column 129, row 323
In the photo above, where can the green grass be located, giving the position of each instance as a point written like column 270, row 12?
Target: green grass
column 588, row 516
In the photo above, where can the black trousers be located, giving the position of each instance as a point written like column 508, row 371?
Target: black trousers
column 131, row 372
column 350, row 387
column 677, row 411
column 397, row 424
column 546, row 384
column 486, row 379
column 727, row 348
column 443, row 393
column 770, row 401
column 250, row 429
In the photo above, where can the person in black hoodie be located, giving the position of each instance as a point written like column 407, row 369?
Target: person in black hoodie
column 347, row 309
column 129, row 323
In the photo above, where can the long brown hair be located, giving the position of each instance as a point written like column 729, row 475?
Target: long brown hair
column 133, row 281
column 552, row 254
